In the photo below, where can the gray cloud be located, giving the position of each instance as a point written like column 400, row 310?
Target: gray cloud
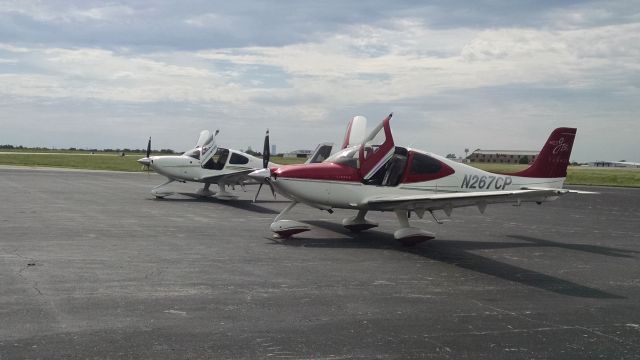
column 192, row 25
column 456, row 73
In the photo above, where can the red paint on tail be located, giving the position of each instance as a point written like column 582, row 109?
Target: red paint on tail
column 553, row 159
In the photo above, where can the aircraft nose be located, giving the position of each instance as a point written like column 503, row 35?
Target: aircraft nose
column 144, row 161
column 261, row 174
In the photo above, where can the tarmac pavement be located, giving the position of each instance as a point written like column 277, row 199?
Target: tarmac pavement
column 93, row 266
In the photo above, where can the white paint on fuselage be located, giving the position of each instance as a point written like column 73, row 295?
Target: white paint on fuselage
column 186, row 168
column 177, row 167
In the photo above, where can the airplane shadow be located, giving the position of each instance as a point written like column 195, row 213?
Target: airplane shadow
column 250, row 206
column 458, row 253
column 243, row 204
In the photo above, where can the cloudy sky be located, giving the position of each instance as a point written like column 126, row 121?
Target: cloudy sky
column 456, row 74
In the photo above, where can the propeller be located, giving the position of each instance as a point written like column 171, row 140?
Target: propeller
column 146, row 161
column 264, row 174
column 266, row 153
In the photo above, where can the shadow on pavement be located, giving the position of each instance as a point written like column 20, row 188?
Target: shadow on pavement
column 458, row 253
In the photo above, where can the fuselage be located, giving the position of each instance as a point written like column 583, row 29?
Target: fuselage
column 340, row 185
column 188, row 167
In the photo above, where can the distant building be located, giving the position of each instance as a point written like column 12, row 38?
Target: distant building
column 273, row 149
column 503, row 156
column 626, row 164
column 299, row 154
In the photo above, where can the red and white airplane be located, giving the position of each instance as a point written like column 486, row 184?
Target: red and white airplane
column 377, row 175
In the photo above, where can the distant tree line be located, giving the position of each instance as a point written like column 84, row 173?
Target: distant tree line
column 118, row 150
column 20, row 147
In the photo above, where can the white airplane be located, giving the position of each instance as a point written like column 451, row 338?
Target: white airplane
column 210, row 164
column 205, row 163
column 377, row 175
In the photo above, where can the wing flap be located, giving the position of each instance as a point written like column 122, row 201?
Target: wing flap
column 454, row 200
column 562, row 191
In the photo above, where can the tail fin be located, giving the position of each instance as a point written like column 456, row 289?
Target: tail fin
column 322, row 152
column 553, row 159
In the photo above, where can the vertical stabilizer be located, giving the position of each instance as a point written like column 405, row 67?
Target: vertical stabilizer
column 553, row 159
column 322, row 152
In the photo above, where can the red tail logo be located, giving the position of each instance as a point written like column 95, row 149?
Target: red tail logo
column 553, row 159
column 560, row 146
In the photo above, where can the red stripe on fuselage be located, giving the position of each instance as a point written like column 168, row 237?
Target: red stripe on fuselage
column 321, row 171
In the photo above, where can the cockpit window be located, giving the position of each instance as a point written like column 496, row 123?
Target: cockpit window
column 238, row 159
column 348, row 156
column 194, row 153
column 218, row 160
column 423, row 164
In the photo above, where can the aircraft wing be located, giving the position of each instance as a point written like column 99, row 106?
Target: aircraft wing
column 237, row 177
column 448, row 201
column 561, row 191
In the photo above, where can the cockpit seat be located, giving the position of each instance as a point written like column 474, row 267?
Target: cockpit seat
column 395, row 168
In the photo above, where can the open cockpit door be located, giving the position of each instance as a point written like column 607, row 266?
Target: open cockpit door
column 356, row 131
column 322, row 152
column 205, row 136
column 207, row 144
column 376, row 149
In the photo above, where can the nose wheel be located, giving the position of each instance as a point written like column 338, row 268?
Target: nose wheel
column 160, row 193
column 286, row 228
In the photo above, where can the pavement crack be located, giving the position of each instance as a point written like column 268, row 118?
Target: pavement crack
column 31, row 262
column 35, row 287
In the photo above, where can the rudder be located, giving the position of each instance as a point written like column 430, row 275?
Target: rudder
column 553, row 159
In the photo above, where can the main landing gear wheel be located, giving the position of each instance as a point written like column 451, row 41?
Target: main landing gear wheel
column 407, row 235
column 284, row 229
column 223, row 194
column 412, row 236
column 205, row 192
column 358, row 223
column 356, row 228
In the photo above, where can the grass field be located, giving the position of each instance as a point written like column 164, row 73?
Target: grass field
column 629, row 177
column 578, row 175
column 74, row 161
column 85, row 160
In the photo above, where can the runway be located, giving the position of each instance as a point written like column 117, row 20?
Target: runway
column 93, row 266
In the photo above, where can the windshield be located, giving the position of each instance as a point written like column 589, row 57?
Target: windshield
column 194, row 153
column 348, row 156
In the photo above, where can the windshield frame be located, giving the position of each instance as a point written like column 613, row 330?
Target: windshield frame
column 348, row 156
